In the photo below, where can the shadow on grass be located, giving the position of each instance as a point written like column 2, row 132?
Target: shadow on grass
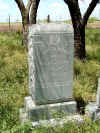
column 81, row 105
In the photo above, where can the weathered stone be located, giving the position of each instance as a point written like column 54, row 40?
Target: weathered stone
column 51, row 63
column 50, row 51
column 49, row 111
column 93, row 108
column 51, row 122
column 98, row 93
column 93, row 111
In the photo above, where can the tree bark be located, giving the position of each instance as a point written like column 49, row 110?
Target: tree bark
column 33, row 13
column 28, row 14
column 79, row 30
column 25, row 23
column 79, row 43
column 25, row 19
column 79, row 24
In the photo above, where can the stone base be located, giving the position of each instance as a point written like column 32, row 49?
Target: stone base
column 52, row 122
column 33, row 112
column 93, row 111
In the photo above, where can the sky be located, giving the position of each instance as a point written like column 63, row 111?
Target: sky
column 57, row 10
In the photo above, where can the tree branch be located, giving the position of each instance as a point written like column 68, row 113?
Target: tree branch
column 68, row 1
column 91, row 7
column 21, row 6
column 37, row 3
column 74, row 12
column 33, row 12
column 29, row 5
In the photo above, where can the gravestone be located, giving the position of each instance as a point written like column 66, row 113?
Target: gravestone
column 50, row 52
column 93, row 108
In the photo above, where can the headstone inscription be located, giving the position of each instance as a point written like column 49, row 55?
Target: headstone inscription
column 51, row 63
column 50, row 50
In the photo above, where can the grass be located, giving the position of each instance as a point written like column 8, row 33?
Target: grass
column 13, row 78
column 14, row 84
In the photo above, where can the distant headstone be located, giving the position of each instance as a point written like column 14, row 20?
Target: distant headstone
column 98, row 94
column 50, row 48
column 93, row 108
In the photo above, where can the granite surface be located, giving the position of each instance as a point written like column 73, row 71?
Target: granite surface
column 50, row 49
column 93, row 111
column 49, row 111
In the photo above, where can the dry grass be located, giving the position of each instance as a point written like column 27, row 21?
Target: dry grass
column 4, row 27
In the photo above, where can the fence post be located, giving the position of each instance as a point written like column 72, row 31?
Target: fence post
column 9, row 23
column 48, row 19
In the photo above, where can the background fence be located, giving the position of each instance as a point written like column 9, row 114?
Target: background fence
column 13, row 24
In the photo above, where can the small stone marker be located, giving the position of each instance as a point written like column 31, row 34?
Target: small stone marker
column 98, row 93
column 93, row 109
column 50, row 48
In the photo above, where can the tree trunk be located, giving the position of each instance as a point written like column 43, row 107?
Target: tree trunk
column 79, row 24
column 79, row 29
column 79, row 43
column 25, row 22
column 25, row 19
column 33, row 13
column 28, row 16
